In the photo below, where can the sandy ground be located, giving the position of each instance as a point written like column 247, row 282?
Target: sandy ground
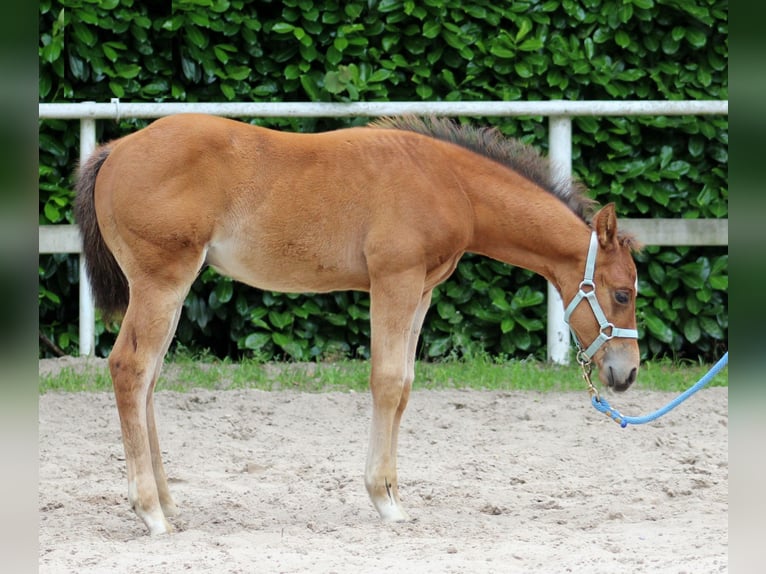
column 495, row 482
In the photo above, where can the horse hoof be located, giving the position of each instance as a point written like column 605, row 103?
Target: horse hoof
column 160, row 528
column 391, row 513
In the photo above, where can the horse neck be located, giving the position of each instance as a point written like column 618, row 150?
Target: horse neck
column 519, row 223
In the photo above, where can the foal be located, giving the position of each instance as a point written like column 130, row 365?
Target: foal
column 389, row 208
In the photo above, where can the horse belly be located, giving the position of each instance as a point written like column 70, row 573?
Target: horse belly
column 289, row 268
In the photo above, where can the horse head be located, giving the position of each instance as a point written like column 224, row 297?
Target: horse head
column 602, row 314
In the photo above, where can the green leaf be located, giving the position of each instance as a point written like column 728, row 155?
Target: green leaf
column 311, row 88
column 77, row 67
column 530, row 324
column 424, row 91
column 507, row 325
column 523, row 69
column 525, row 27
column 220, row 6
column 333, row 83
column 588, row 124
column 497, row 296
column 447, row 311
column 110, row 50
column 719, row 282
column 590, row 48
column 340, row 43
column 52, row 213
column 282, row 28
column 224, row 290
column 353, row 10
column 696, row 146
column 527, row 297
column 697, row 38
column 189, row 69
column 693, row 305
column 438, row 347
column 199, row 18
column 127, row 71
column 196, row 37
column 522, row 340
column 84, row 34
column 289, row 345
column 380, row 76
column 173, row 23
column 711, row 327
column 221, row 54
column 280, row 320
column 501, row 51
column 292, row 72
column 238, row 72
column 658, row 328
column 622, row 39
column 52, row 52
column 670, row 45
column 704, row 77
column 256, row 341
column 431, row 29
column 719, row 264
column 116, row 89
column 531, row 45
column 333, row 56
column 671, row 257
column 692, row 330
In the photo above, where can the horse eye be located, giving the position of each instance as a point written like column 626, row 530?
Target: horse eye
column 621, row 297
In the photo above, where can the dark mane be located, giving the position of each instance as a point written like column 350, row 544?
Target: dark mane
column 492, row 144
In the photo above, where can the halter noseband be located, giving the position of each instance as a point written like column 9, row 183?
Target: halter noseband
column 587, row 291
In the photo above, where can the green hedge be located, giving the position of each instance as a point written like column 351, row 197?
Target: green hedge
column 391, row 50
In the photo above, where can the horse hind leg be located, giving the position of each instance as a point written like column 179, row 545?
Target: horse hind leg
column 134, row 364
column 160, row 476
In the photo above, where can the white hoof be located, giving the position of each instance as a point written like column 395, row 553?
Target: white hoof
column 157, row 527
column 392, row 512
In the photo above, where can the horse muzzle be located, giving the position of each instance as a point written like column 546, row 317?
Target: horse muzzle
column 617, row 371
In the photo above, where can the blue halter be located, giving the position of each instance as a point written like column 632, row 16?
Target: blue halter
column 587, row 291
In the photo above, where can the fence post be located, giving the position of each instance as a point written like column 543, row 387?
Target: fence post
column 87, row 311
column 560, row 154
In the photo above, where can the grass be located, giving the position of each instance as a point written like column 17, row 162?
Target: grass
column 184, row 373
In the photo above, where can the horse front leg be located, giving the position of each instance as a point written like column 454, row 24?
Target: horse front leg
column 395, row 307
column 409, row 376
column 139, row 349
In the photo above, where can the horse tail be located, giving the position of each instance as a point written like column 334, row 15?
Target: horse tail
column 107, row 281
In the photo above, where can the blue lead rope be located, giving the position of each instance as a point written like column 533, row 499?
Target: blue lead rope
column 601, row 405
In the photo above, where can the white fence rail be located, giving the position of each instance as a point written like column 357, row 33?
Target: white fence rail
column 65, row 238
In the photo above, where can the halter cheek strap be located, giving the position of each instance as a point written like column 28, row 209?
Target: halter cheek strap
column 587, row 291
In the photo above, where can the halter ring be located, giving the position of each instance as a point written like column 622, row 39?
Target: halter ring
column 611, row 328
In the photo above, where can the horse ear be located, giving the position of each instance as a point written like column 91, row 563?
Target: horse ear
column 605, row 225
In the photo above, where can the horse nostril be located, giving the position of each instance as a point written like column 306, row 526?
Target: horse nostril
column 619, row 384
column 632, row 377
